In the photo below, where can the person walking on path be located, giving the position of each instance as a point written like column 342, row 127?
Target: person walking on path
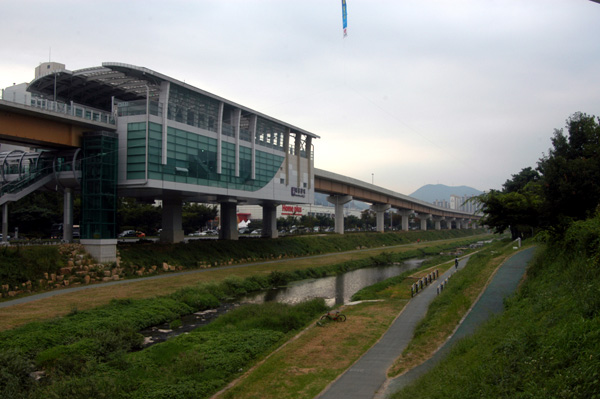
column 456, row 263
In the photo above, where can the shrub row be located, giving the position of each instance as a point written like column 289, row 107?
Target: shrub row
column 197, row 253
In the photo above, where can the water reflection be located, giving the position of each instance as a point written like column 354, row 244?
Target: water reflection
column 336, row 290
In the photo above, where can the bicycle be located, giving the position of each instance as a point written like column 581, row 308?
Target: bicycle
column 331, row 316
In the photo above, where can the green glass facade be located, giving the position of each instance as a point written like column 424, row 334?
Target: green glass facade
column 192, row 159
column 99, row 185
column 194, row 109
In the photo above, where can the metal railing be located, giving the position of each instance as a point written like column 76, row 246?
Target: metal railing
column 72, row 109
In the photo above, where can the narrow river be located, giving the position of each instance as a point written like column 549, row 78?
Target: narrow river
column 336, row 290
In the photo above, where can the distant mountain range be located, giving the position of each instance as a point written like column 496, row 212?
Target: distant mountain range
column 432, row 192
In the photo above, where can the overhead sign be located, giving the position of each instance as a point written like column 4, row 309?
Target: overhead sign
column 298, row 192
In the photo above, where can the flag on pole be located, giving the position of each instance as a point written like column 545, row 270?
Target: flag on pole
column 344, row 18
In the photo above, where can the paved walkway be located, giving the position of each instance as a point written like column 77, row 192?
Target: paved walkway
column 366, row 379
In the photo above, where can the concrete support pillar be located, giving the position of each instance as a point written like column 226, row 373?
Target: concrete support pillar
column 5, row 222
column 103, row 250
column 424, row 221
column 269, row 212
column 339, row 201
column 380, row 212
column 68, row 215
column 172, row 225
column 405, row 214
column 438, row 223
column 229, row 224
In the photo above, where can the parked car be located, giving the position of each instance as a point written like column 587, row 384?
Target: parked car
column 132, row 233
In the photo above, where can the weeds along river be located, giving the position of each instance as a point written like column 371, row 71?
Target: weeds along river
column 336, row 290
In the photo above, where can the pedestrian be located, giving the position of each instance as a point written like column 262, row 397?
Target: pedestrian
column 456, row 263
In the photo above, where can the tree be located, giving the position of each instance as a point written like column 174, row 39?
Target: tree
column 517, row 210
column 565, row 186
column 135, row 215
column 351, row 222
column 35, row 214
column 368, row 218
column 287, row 222
column 196, row 216
column 571, row 172
column 520, row 180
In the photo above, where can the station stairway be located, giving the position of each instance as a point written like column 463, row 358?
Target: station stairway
column 24, row 173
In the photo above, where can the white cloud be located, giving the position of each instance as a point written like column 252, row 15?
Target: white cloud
column 469, row 91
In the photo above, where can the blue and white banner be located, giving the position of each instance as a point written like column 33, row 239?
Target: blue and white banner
column 344, row 18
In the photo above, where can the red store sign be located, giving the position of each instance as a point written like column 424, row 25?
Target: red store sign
column 290, row 210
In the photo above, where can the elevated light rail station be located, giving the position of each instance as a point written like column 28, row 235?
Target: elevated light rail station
column 125, row 131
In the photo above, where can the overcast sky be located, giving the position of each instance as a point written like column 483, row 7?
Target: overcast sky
column 461, row 92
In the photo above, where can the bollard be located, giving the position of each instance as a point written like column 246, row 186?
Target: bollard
column 412, row 291
column 421, row 284
column 430, row 277
column 437, row 273
column 438, row 290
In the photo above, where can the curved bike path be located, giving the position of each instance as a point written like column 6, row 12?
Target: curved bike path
column 367, row 379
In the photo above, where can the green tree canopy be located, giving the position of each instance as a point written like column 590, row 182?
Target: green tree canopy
column 571, row 171
column 196, row 216
column 564, row 187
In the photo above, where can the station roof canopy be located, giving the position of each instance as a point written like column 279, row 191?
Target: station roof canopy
column 95, row 87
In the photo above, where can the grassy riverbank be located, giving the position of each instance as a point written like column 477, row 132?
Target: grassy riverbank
column 547, row 342
column 87, row 351
column 171, row 282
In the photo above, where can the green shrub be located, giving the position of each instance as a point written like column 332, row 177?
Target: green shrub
column 175, row 324
column 20, row 264
column 270, row 316
column 196, row 298
column 15, row 379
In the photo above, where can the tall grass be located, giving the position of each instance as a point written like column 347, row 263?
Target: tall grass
column 193, row 365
